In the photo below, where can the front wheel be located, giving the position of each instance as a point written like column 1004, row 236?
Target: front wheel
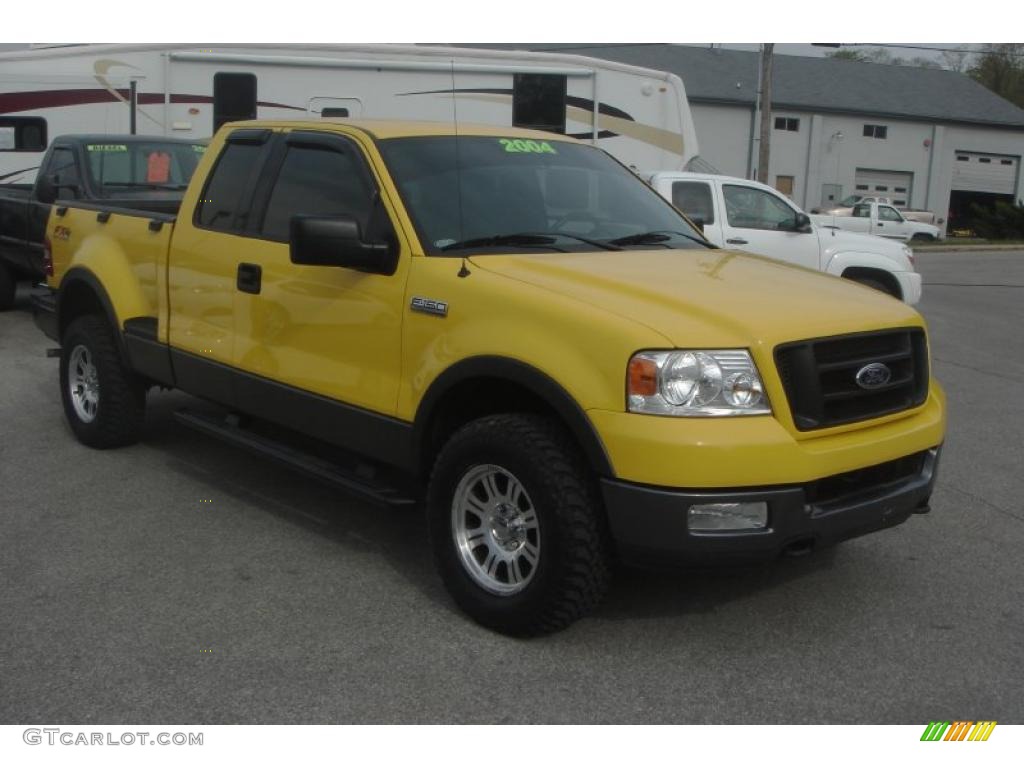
column 517, row 526
column 103, row 400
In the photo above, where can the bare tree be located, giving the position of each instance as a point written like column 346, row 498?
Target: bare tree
column 1000, row 68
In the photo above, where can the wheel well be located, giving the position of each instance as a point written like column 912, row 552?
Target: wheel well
column 891, row 284
column 473, row 398
column 77, row 299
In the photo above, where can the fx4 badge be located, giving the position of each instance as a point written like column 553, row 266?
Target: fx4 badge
column 429, row 306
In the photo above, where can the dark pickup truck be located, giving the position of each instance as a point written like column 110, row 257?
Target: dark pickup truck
column 143, row 173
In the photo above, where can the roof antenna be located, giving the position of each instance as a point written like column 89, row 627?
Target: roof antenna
column 464, row 270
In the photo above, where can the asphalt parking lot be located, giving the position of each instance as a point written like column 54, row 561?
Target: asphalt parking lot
column 184, row 581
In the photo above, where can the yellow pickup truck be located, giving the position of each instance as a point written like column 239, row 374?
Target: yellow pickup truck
column 511, row 329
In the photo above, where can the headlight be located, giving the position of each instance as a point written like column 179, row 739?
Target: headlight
column 718, row 382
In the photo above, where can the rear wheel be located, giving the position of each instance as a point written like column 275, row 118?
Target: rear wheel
column 517, row 525
column 920, row 237
column 8, row 286
column 103, row 400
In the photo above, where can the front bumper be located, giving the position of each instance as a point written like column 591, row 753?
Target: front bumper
column 649, row 524
column 44, row 312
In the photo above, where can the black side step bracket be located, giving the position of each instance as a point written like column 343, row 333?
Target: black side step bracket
column 349, row 481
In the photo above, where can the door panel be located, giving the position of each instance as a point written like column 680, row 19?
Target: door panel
column 328, row 330
column 205, row 253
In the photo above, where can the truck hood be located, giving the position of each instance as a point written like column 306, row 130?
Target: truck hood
column 708, row 298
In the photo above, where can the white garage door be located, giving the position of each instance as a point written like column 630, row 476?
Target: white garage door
column 977, row 172
column 896, row 185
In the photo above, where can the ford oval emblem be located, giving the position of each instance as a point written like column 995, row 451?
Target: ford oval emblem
column 873, row 376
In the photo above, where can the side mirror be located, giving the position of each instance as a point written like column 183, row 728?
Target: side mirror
column 46, row 189
column 803, row 222
column 337, row 241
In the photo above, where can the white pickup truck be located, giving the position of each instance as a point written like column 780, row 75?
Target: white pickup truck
column 880, row 219
column 747, row 216
column 845, row 208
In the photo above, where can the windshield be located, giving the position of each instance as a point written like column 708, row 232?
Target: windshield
column 117, row 167
column 526, row 195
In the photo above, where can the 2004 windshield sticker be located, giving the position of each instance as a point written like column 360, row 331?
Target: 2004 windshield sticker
column 527, row 145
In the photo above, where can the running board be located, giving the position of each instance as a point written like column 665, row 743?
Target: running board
column 317, row 468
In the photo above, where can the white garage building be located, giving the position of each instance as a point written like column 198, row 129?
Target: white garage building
column 926, row 138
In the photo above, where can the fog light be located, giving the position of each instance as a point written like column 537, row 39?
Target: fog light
column 733, row 516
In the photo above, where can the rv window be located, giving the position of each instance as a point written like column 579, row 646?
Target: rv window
column 538, row 101
column 234, row 97
column 317, row 182
column 228, row 186
column 22, row 134
column 694, row 199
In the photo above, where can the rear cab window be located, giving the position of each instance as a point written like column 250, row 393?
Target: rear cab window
column 694, row 199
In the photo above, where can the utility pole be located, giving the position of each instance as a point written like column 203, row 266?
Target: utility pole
column 765, row 103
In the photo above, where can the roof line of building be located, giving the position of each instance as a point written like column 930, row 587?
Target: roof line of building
column 814, row 109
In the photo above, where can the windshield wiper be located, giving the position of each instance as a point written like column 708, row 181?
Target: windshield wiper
column 518, row 239
column 143, row 185
column 529, row 239
column 657, row 237
column 604, row 246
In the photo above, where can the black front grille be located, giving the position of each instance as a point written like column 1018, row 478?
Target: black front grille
column 820, row 376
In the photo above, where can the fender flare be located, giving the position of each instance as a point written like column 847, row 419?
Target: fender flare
column 82, row 276
column 529, row 378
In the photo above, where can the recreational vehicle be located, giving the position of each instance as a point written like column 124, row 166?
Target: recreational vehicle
column 640, row 116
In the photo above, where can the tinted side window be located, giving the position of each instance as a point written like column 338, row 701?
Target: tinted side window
column 317, row 182
column 862, row 211
column 749, row 208
column 234, row 97
column 538, row 101
column 62, row 164
column 694, row 199
column 228, row 186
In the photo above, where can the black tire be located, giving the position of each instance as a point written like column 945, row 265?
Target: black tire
column 8, row 286
column 121, row 401
column 573, row 569
column 922, row 238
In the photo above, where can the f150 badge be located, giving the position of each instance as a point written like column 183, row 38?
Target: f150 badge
column 429, row 306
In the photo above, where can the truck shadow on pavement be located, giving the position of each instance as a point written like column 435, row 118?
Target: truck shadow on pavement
column 399, row 537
